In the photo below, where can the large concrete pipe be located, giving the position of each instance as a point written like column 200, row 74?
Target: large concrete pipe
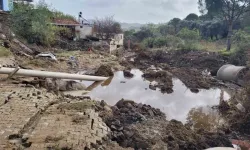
column 231, row 73
column 46, row 74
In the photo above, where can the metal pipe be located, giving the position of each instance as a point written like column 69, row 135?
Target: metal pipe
column 46, row 74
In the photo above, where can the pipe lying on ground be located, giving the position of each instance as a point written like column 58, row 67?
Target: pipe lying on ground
column 46, row 74
column 231, row 73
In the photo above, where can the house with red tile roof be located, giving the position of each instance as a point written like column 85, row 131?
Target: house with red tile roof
column 80, row 30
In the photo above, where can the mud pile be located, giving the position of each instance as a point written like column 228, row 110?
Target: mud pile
column 143, row 127
column 163, row 79
column 104, row 70
column 128, row 74
column 183, row 58
column 194, row 79
column 186, row 65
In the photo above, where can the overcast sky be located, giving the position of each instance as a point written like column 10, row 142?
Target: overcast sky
column 129, row 11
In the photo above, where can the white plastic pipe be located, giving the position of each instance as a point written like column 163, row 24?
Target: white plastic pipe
column 46, row 74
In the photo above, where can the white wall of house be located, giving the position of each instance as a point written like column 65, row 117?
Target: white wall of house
column 116, row 42
column 119, row 38
column 83, row 31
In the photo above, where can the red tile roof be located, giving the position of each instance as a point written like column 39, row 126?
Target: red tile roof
column 65, row 22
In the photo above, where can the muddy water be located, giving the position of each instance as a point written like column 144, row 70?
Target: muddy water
column 182, row 105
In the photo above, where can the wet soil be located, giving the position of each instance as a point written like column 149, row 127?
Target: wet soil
column 194, row 79
column 188, row 66
column 128, row 74
column 182, row 104
column 143, row 127
column 163, row 79
column 104, row 70
column 238, row 118
column 185, row 58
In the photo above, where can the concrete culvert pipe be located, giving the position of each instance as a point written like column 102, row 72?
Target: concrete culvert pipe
column 231, row 73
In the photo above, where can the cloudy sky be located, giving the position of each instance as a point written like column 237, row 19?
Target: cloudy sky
column 129, row 11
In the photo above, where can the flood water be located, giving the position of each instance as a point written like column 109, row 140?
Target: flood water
column 182, row 105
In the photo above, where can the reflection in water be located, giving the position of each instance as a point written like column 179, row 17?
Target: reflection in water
column 181, row 105
column 205, row 118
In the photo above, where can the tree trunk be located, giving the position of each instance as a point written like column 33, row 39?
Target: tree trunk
column 229, row 36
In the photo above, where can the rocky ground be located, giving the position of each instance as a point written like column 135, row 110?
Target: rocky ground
column 35, row 115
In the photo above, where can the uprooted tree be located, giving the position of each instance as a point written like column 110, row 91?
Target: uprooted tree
column 230, row 10
column 107, row 27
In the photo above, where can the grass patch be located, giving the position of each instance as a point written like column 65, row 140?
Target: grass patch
column 224, row 52
column 4, row 52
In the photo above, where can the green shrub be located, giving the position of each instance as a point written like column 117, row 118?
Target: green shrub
column 188, row 45
column 148, row 42
column 242, row 40
column 160, row 42
column 173, row 41
column 34, row 23
column 189, row 35
column 191, row 39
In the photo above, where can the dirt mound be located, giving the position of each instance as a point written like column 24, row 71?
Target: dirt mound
column 128, row 74
column 143, row 127
column 194, row 79
column 104, row 70
column 129, row 112
column 163, row 79
column 183, row 58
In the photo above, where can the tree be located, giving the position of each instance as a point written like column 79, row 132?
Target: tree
column 107, row 27
column 175, row 23
column 231, row 10
column 33, row 24
column 192, row 17
column 143, row 34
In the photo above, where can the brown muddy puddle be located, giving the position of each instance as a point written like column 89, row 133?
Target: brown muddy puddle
column 182, row 105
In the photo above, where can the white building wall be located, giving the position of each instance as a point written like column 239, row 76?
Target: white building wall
column 83, row 31
column 116, row 42
column 119, row 39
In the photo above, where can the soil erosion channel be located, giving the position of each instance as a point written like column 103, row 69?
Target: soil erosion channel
column 182, row 104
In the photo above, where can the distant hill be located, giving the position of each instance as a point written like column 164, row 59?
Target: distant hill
column 129, row 26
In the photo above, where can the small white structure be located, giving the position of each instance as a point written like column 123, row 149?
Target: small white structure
column 82, row 31
column 116, row 42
